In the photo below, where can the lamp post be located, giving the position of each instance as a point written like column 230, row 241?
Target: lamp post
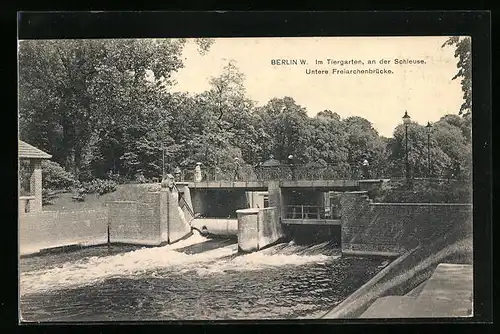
column 429, row 129
column 292, row 167
column 162, row 161
column 406, row 122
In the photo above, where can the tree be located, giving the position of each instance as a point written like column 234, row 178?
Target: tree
column 450, row 149
column 328, row 141
column 463, row 54
column 287, row 127
column 363, row 141
column 88, row 102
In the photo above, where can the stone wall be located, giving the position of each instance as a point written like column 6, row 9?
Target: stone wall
column 153, row 218
column 397, row 227
column 48, row 229
column 270, row 229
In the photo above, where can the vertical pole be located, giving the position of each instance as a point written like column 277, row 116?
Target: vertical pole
column 428, row 155
column 302, row 211
column 162, row 161
column 406, row 157
column 109, row 239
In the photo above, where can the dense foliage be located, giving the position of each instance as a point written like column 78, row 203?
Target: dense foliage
column 104, row 110
column 54, row 176
column 425, row 191
column 98, row 186
column 463, row 50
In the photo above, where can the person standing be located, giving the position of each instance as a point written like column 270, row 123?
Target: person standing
column 365, row 168
column 236, row 169
column 197, row 172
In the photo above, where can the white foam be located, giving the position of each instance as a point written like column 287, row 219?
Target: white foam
column 259, row 261
column 150, row 260
column 90, row 270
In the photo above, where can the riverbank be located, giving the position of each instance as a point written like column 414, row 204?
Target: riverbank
column 405, row 274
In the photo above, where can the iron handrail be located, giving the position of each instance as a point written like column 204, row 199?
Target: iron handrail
column 310, row 212
column 295, row 172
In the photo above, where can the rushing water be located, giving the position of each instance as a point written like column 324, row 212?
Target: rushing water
column 194, row 279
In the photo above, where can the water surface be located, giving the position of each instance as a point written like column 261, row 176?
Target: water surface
column 194, row 279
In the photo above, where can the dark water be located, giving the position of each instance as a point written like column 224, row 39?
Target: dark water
column 191, row 280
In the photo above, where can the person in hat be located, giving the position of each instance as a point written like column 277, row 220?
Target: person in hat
column 177, row 174
column 197, row 172
column 365, row 167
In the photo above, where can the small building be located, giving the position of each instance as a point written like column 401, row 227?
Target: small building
column 271, row 162
column 32, row 201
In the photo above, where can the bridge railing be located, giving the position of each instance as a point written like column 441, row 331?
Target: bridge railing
column 249, row 173
column 310, row 212
column 283, row 172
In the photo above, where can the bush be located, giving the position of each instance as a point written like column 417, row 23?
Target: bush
column 48, row 195
column 425, row 192
column 55, row 177
column 98, row 186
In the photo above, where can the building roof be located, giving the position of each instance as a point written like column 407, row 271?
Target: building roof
column 28, row 151
column 271, row 162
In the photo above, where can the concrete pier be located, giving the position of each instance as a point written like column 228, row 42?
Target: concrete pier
column 258, row 228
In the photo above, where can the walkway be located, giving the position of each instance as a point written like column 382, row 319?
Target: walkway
column 447, row 293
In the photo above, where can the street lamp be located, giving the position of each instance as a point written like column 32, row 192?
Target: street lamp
column 162, row 161
column 292, row 167
column 406, row 122
column 429, row 129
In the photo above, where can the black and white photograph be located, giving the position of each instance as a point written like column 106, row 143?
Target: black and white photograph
column 245, row 178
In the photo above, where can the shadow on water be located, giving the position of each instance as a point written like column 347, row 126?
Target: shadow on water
column 314, row 234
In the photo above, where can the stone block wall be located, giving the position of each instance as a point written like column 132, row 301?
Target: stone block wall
column 397, row 227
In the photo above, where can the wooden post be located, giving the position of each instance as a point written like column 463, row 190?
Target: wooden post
column 109, row 239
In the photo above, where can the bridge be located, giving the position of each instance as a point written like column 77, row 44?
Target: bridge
column 329, row 177
column 306, row 198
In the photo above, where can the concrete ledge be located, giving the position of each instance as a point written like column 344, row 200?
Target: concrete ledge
column 465, row 205
column 248, row 211
column 26, row 197
column 77, row 246
column 328, row 222
column 370, row 254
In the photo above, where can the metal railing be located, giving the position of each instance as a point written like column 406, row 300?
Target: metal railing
column 310, row 212
column 283, row 172
column 298, row 172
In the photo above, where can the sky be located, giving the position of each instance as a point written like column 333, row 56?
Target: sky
column 425, row 90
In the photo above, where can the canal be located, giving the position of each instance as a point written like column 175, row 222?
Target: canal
column 194, row 279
